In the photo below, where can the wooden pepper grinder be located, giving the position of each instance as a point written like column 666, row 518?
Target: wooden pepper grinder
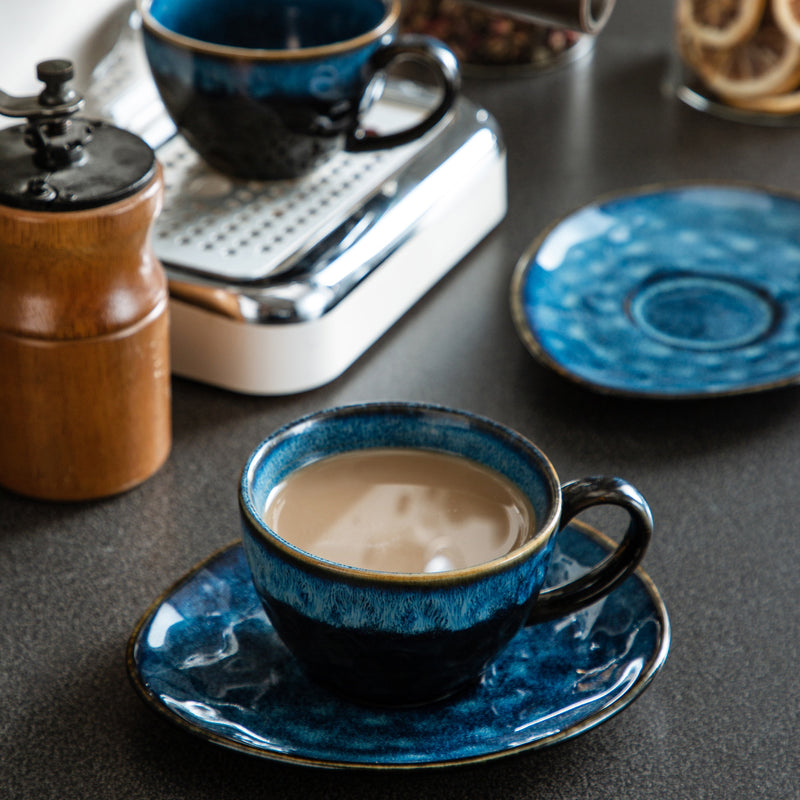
column 84, row 350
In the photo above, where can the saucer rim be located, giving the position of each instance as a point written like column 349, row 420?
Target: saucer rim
column 648, row 673
column 526, row 261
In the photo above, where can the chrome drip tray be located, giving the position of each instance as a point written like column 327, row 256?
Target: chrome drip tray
column 278, row 288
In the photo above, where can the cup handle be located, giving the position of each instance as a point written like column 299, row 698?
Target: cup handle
column 424, row 50
column 577, row 496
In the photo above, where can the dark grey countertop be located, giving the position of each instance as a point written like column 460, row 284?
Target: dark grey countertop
column 719, row 721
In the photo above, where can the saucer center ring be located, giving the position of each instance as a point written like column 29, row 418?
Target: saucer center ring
column 701, row 312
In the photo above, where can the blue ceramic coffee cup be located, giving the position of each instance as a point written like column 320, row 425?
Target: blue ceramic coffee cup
column 392, row 638
column 269, row 89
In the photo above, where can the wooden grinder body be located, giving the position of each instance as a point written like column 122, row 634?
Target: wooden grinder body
column 85, row 408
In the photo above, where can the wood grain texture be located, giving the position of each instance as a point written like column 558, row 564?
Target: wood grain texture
column 84, row 349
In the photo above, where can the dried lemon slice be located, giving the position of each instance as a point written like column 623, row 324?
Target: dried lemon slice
column 767, row 63
column 720, row 23
column 779, row 104
column 787, row 15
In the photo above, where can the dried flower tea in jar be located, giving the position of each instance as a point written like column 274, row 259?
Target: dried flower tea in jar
column 489, row 41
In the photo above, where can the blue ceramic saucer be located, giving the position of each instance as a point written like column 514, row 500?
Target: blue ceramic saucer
column 206, row 657
column 672, row 291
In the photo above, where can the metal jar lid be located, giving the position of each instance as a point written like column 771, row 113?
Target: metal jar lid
column 59, row 162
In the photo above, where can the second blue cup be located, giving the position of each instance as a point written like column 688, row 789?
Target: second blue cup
column 266, row 89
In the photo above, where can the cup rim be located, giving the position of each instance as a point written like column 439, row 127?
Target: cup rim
column 160, row 31
column 545, row 530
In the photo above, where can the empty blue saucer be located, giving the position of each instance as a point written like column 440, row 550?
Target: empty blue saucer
column 672, row 291
column 206, row 657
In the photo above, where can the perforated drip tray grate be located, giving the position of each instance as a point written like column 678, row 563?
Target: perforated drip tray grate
column 247, row 231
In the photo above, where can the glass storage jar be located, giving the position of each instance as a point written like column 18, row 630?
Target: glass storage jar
column 489, row 42
column 739, row 58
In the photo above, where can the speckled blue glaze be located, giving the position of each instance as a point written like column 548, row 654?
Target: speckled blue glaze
column 447, row 607
column 677, row 291
column 206, row 656
column 327, row 75
column 394, row 638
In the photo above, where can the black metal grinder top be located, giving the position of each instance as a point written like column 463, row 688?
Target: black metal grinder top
column 57, row 161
